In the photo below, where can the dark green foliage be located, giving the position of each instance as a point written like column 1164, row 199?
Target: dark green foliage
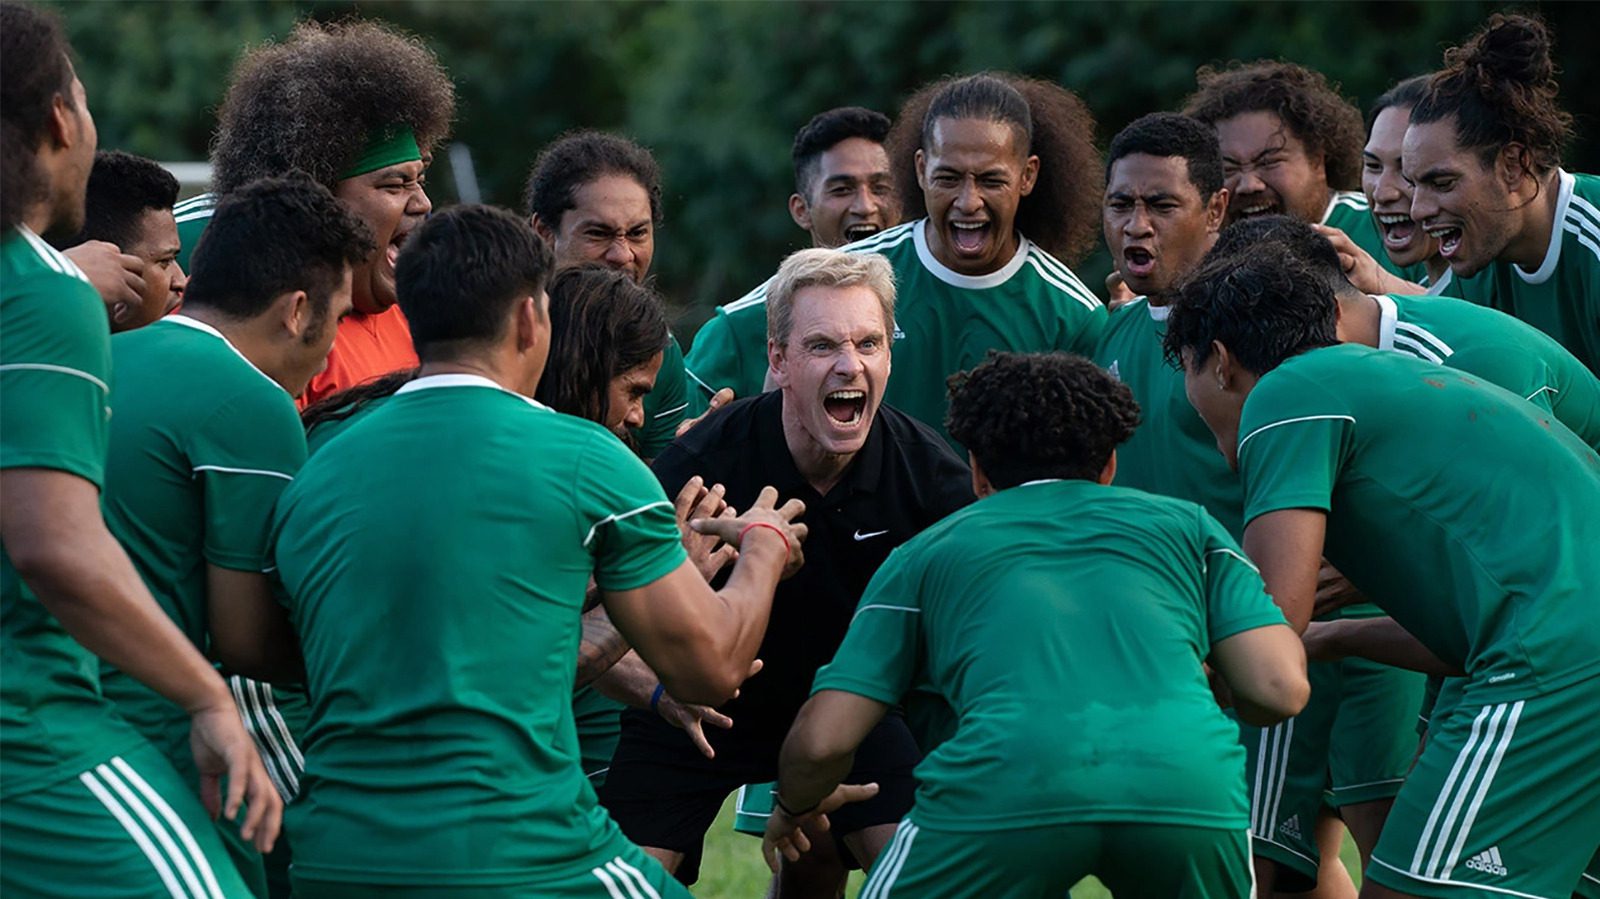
column 717, row 90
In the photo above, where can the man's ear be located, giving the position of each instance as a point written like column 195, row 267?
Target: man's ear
column 543, row 230
column 1030, row 174
column 292, row 310
column 1109, row 472
column 1223, row 365
column 63, row 131
column 526, row 322
column 981, row 487
column 921, row 167
column 777, row 364
column 1513, row 164
column 1216, row 210
column 800, row 211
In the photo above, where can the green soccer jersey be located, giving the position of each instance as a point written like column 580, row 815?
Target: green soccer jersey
column 55, row 375
column 1497, row 348
column 666, row 405
column 1456, row 506
column 945, row 322
column 192, row 215
column 1094, row 604
column 1350, row 212
column 437, row 555
column 1562, row 297
column 1172, row 452
column 202, row 444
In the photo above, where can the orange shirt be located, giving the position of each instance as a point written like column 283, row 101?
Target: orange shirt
column 366, row 347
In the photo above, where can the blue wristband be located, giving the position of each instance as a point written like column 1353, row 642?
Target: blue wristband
column 655, row 697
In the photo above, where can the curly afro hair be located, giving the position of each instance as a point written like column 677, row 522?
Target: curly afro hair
column 1027, row 416
column 313, row 102
column 1062, row 214
column 1501, row 88
column 1303, row 99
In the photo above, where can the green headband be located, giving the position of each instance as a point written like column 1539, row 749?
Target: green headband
column 396, row 145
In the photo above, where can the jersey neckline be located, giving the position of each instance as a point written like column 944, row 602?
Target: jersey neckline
column 919, row 237
column 1552, row 253
column 453, row 379
column 1388, row 316
column 178, row 318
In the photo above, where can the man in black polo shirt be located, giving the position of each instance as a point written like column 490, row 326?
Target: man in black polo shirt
column 871, row 478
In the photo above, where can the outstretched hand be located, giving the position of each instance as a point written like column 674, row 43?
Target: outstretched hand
column 771, row 517
column 1361, row 269
column 707, row 551
column 786, row 834
column 115, row 275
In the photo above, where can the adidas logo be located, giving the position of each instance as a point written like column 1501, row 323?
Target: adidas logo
column 1291, row 827
column 898, row 334
column 1488, row 861
column 1113, row 371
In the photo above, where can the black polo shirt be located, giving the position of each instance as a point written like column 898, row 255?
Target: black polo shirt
column 904, row 478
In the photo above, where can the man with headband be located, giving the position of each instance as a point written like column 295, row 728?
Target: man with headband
column 378, row 102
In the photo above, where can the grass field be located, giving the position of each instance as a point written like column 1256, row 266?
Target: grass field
column 732, row 867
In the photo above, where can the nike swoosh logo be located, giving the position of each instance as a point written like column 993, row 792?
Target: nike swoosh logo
column 860, row 536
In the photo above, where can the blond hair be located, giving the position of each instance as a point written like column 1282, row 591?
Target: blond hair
column 817, row 267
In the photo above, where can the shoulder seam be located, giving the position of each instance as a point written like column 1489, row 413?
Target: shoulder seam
column 1289, row 421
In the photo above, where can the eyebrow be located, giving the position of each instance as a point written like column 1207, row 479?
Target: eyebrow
column 1148, row 198
column 1436, row 172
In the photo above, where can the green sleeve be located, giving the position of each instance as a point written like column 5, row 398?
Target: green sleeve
column 714, row 360
column 1576, row 402
column 1236, row 599
column 55, row 377
column 1082, row 334
column 244, row 456
column 632, row 529
column 666, row 404
column 1294, row 440
column 882, row 651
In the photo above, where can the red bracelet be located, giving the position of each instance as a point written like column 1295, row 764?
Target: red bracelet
column 772, row 527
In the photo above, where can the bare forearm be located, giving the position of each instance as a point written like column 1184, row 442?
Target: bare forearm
column 805, row 779
column 599, row 648
column 1380, row 640
column 91, row 587
column 630, row 681
column 747, row 596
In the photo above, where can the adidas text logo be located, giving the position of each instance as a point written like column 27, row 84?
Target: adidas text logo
column 1114, row 371
column 1291, row 827
column 1488, row 861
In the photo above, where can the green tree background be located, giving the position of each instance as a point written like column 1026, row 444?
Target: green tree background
column 717, row 90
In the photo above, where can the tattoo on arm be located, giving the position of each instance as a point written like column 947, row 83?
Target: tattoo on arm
column 600, row 646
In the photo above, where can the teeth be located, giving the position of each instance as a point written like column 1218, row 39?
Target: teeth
column 1440, row 233
column 969, row 226
column 1252, row 210
column 1393, row 219
column 848, row 395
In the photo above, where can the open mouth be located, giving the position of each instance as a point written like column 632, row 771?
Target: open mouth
column 1138, row 262
column 1398, row 230
column 969, row 237
column 391, row 252
column 845, row 407
column 854, row 233
column 1254, row 209
column 1449, row 238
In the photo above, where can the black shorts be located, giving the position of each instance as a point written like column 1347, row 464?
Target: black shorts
column 664, row 794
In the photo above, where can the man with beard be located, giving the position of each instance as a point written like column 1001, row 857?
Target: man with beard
column 1000, row 175
column 1483, row 149
column 1291, row 145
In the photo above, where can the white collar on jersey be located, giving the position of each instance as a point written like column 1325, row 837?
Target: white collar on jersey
column 919, row 237
column 179, row 318
column 1157, row 313
column 464, row 380
column 1552, row 253
column 1041, row 481
column 1388, row 316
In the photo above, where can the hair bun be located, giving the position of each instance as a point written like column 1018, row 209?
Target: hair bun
column 1512, row 48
